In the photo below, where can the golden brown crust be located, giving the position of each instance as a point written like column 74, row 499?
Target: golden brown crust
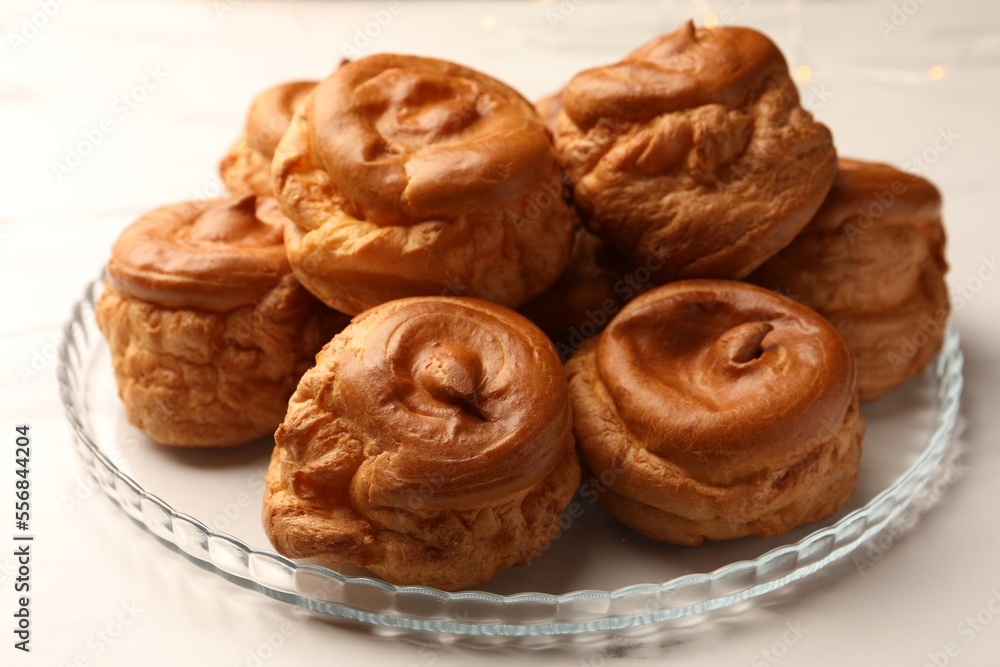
column 720, row 410
column 246, row 168
column 431, row 443
column 208, row 329
column 872, row 262
column 411, row 176
column 204, row 378
column 213, row 254
column 694, row 148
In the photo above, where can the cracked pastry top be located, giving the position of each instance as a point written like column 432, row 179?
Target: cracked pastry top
column 410, row 176
column 432, row 444
column 695, row 148
column 208, row 329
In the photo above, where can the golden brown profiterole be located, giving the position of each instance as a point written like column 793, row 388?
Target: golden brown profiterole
column 717, row 409
column 432, row 444
column 872, row 263
column 409, row 176
column 208, row 329
column 695, row 148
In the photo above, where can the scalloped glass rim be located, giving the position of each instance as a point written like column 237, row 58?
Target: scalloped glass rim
column 376, row 602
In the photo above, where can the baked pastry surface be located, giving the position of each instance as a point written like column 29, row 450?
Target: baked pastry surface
column 694, row 148
column 410, row 176
column 597, row 283
column 208, row 329
column 717, row 409
column 872, row 263
column 246, row 167
column 432, row 444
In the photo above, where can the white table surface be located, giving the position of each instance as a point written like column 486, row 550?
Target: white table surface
column 105, row 593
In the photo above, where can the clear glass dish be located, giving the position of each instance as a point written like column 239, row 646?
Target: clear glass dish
column 596, row 576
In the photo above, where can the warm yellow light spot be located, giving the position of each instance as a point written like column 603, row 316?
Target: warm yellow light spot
column 489, row 22
column 711, row 20
column 544, row 2
column 803, row 73
column 936, row 73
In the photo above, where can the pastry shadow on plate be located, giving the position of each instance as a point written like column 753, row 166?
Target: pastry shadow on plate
column 900, row 401
column 133, row 443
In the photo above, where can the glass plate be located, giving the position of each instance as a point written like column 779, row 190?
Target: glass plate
column 596, row 576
